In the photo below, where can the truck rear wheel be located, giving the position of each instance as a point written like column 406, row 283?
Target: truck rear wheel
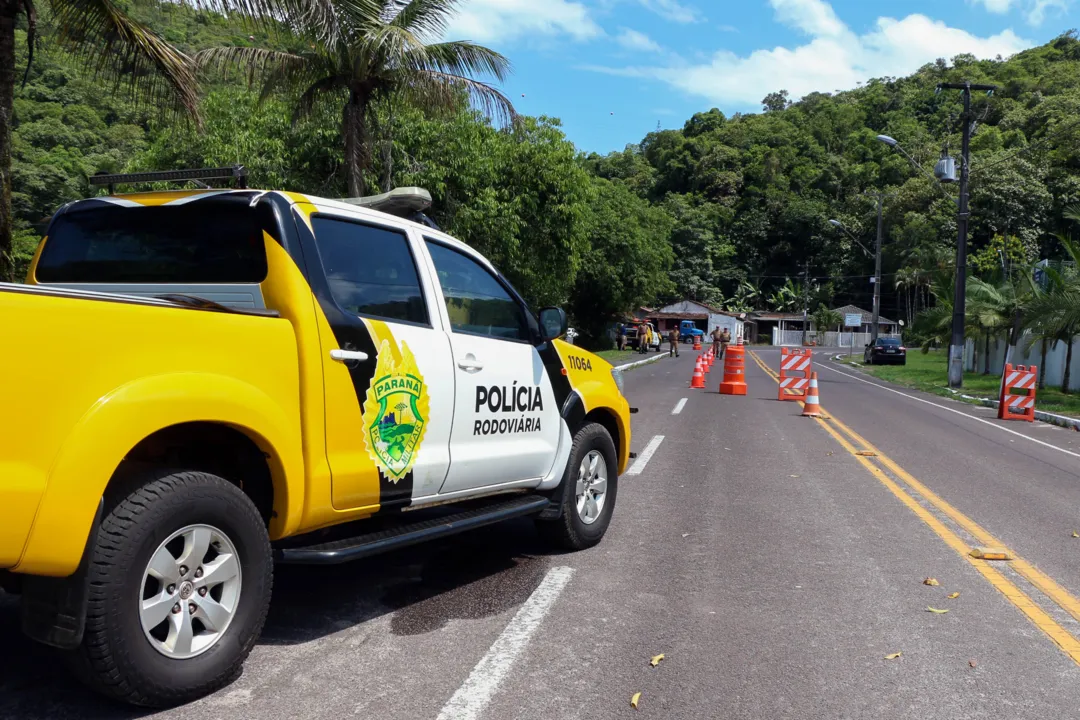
column 180, row 583
column 590, row 483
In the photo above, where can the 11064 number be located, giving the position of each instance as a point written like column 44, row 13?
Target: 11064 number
column 579, row 363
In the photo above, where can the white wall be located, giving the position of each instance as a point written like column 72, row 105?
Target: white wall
column 733, row 325
column 1055, row 359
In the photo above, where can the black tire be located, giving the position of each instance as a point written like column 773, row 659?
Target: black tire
column 569, row 531
column 116, row 658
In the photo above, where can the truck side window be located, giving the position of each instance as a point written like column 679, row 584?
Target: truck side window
column 370, row 270
column 476, row 301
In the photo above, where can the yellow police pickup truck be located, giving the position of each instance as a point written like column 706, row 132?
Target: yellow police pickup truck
column 199, row 384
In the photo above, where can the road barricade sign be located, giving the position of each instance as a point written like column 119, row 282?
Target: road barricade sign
column 795, row 366
column 1017, row 401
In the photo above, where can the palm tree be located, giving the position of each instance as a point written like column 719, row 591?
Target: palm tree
column 368, row 54
column 992, row 307
column 1055, row 313
column 825, row 318
column 114, row 45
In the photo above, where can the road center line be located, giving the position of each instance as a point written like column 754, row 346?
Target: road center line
column 679, row 406
column 476, row 692
column 1057, row 594
column 645, row 456
column 954, row 410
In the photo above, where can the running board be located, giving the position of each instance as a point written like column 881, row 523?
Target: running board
column 399, row 536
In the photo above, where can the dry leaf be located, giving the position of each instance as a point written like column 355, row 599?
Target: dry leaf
column 793, row 476
column 893, row 656
column 953, row 596
column 930, row 581
column 971, row 663
column 866, row 453
column 656, row 660
column 634, row 700
column 936, row 610
column 829, row 453
column 686, row 534
column 1075, row 534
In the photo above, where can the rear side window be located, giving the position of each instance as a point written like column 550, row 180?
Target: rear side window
column 476, row 301
column 215, row 240
column 370, row 270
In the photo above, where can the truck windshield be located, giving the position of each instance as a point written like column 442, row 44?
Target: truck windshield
column 214, row 240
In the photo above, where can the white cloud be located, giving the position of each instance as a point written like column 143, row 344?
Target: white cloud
column 834, row 58
column 727, row 28
column 505, row 20
column 634, row 40
column 672, row 10
column 997, row 6
column 1035, row 11
column 813, row 17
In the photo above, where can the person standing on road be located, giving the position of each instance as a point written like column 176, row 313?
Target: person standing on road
column 673, row 338
column 715, row 335
column 725, row 340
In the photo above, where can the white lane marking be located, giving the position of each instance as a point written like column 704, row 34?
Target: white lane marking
column 645, row 456
column 679, row 406
column 953, row 410
column 476, row 692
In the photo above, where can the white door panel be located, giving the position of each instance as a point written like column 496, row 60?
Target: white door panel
column 506, row 424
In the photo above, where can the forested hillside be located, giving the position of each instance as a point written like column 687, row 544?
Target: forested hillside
column 728, row 210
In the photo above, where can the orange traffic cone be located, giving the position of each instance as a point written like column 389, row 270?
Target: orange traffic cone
column 697, row 343
column 812, row 408
column 706, row 366
column 697, row 380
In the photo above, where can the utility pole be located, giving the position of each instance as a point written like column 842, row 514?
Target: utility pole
column 806, row 299
column 877, row 272
column 956, row 345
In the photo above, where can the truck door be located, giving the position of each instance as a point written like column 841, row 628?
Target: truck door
column 506, row 423
column 388, row 425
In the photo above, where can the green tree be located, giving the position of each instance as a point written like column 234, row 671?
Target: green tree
column 825, row 319
column 368, row 55
column 103, row 35
column 628, row 261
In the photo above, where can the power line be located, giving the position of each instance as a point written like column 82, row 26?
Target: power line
column 1028, row 148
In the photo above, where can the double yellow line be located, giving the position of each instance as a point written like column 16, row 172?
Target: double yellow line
column 855, row 444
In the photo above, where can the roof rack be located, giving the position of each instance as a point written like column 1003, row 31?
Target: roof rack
column 403, row 201
column 236, row 172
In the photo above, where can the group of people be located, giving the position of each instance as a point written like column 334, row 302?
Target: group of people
column 721, row 338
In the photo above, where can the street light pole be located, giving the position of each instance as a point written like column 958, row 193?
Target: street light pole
column 877, row 272
column 956, row 345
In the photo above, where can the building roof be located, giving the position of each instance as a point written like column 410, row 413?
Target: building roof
column 867, row 317
column 677, row 316
column 769, row 315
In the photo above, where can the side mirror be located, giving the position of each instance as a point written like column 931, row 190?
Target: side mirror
column 553, row 323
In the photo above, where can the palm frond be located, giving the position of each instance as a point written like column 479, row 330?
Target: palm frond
column 272, row 68
column 428, row 18
column 461, row 58
column 388, row 47
column 438, row 90
column 120, row 48
column 305, row 104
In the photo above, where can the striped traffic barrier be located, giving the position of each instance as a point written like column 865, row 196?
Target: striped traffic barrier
column 1017, row 401
column 795, row 366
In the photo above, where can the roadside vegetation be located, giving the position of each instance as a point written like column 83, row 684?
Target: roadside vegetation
column 929, row 372
column 724, row 210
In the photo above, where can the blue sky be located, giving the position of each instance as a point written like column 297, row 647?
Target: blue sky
column 612, row 70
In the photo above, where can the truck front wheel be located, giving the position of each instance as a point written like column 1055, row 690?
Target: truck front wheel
column 180, row 581
column 590, row 484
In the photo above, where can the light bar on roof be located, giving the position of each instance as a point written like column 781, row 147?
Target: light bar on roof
column 401, row 201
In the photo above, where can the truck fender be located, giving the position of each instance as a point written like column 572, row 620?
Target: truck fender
column 120, row 420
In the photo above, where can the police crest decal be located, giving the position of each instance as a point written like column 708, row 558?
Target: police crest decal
column 395, row 411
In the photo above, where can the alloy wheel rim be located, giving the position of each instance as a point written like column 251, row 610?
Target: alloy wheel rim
column 190, row 591
column 591, row 492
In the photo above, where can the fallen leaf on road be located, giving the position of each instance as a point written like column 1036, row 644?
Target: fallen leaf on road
column 971, row 663
column 1075, row 534
column 634, row 700
column 829, row 453
column 686, row 534
column 893, row 656
column 930, row 581
column 953, row 596
column 656, row 659
column 867, row 453
column 936, row 610
column 793, row 476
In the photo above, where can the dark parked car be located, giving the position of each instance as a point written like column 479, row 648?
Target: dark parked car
column 885, row 350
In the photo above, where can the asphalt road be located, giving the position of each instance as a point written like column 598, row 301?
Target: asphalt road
column 773, row 566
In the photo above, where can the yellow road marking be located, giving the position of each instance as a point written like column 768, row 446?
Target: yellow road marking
column 1061, row 637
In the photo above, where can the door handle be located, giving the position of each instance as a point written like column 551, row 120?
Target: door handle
column 348, row 355
column 469, row 364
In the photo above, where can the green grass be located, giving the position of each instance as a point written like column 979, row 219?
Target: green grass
column 929, row 373
column 619, row 358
